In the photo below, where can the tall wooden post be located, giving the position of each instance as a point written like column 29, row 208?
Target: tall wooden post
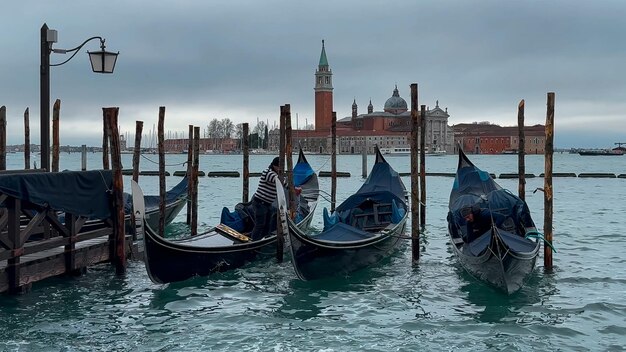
column 110, row 116
column 190, row 176
column 415, row 223
column 137, row 150
column 280, row 236
column 289, row 158
column 83, row 158
column 26, row 139
column 364, row 161
column 246, row 163
column 136, row 157
column 521, row 151
column 333, row 162
column 161, row 147
column 423, row 166
column 282, row 142
column 105, row 143
column 56, row 111
column 547, row 186
column 3, row 138
column 194, row 176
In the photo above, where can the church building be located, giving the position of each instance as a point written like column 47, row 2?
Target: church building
column 388, row 128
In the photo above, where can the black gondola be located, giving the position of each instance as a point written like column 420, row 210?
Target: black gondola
column 175, row 200
column 503, row 255
column 227, row 245
column 363, row 230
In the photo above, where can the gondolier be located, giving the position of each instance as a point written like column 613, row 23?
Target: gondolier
column 263, row 199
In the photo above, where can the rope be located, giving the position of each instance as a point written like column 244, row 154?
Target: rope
column 539, row 235
column 155, row 162
column 325, row 162
column 108, row 190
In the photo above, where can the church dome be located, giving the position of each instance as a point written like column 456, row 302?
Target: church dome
column 395, row 104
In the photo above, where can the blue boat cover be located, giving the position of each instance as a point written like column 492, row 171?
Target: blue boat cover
column 85, row 193
column 302, row 172
column 152, row 201
column 343, row 232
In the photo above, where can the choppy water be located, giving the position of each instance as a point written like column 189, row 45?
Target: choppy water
column 393, row 306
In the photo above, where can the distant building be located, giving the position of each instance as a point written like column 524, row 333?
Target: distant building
column 388, row 128
column 484, row 138
column 207, row 145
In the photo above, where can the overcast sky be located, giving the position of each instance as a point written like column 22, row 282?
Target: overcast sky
column 206, row 59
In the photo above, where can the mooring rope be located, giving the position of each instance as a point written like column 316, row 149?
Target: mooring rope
column 539, row 235
column 155, row 162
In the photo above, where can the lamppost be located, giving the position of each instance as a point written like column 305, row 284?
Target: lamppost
column 101, row 62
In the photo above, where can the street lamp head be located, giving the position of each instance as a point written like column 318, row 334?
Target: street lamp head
column 102, row 61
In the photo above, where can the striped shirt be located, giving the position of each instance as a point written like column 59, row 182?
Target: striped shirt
column 267, row 186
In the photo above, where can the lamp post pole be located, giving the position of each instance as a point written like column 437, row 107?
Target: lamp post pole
column 44, row 101
column 101, row 62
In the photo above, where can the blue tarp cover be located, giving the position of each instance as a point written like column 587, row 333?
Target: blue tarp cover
column 84, row 193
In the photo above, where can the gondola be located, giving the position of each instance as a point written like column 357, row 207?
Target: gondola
column 227, row 245
column 175, row 200
column 503, row 255
column 363, row 230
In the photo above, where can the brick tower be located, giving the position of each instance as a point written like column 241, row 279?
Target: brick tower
column 323, row 94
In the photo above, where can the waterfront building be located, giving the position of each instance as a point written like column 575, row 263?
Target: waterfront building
column 485, row 138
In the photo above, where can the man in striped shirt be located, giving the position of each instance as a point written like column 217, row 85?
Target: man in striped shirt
column 263, row 199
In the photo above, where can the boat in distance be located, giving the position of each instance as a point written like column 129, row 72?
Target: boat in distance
column 227, row 245
column 406, row 151
column 502, row 254
column 364, row 229
column 601, row 152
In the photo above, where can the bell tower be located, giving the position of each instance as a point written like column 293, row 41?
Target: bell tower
column 323, row 94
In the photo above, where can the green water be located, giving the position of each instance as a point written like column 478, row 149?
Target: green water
column 393, row 306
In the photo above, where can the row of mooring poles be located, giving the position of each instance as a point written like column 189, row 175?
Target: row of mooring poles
column 548, row 210
column 418, row 178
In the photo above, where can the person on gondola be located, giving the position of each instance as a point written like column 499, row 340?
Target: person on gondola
column 478, row 221
column 263, row 199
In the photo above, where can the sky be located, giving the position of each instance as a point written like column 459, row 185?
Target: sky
column 243, row 59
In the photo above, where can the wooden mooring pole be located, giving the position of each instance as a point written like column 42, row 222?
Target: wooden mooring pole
column 521, row 150
column 119, row 258
column 56, row 112
column 364, row 161
column 83, row 158
column 333, row 162
column 3, row 138
column 280, row 236
column 137, row 150
column 415, row 228
column 105, row 142
column 26, row 139
column 189, row 177
column 289, row 158
column 194, row 176
column 423, row 166
column 547, row 186
column 245, row 197
column 161, row 147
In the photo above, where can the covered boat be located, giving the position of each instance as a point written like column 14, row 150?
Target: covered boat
column 502, row 253
column 175, row 200
column 226, row 246
column 363, row 230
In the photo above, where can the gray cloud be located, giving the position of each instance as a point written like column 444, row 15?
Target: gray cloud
column 243, row 59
